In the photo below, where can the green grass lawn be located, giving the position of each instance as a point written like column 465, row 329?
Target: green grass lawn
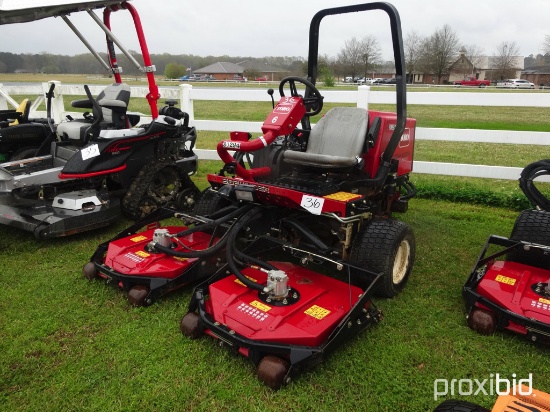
column 71, row 344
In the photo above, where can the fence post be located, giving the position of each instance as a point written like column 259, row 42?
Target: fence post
column 58, row 108
column 186, row 103
column 363, row 97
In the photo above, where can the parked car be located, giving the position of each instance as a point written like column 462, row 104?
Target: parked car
column 238, row 78
column 191, row 78
column 261, row 79
column 472, row 81
column 365, row 80
column 348, row 79
column 516, row 84
column 378, row 80
column 393, row 80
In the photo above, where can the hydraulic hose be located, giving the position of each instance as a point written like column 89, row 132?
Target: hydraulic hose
column 210, row 250
column 212, row 224
column 530, row 173
column 249, row 217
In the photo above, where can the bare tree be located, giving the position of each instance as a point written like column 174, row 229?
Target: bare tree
column 370, row 50
column 438, row 51
column 505, row 60
column 546, row 45
column 350, row 57
column 413, row 49
column 358, row 56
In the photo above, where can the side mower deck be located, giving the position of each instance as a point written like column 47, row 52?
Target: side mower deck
column 504, row 294
column 145, row 273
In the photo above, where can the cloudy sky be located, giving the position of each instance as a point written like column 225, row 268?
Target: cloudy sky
column 280, row 28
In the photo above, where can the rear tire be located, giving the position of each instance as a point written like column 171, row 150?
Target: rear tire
column 25, row 153
column 386, row 246
column 531, row 226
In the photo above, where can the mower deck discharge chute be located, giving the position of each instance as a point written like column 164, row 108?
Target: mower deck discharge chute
column 87, row 171
column 319, row 195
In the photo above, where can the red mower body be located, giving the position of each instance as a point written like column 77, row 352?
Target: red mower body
column 403, row 152
column 320, row 304
column 504, row 292
column 128, row 256
column 513, row 286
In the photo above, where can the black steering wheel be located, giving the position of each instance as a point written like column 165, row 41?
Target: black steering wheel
column 313, row 100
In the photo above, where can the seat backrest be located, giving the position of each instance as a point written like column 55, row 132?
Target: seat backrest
column 23, row 112
column 114, row 103
column 340, row 132
column 337, row 140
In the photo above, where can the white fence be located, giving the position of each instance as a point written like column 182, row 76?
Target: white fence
column 361, row 97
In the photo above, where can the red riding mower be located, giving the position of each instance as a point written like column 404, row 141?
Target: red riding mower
column 509, row 287
column 320, row 195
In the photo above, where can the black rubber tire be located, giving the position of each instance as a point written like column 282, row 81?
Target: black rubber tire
column 141, row 199
column 387, row 246
column 190, row 325
column 137, row 295
column 531, row 226
column 482, row 321
column 25, row 153
column 272, row 371
column 453, row 405
column 210, row 202
column 89, row 271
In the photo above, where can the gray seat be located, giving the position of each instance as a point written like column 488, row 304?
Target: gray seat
column 336, row 141
column 112, row 102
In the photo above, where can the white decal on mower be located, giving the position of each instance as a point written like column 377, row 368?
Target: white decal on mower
column 90, row 152
column 312, row 204
column 235, row 182
column 274, row 120
column 231, row 145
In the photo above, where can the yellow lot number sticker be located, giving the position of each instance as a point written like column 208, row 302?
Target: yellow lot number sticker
column 317, row 312
column 546, row 301
column 143, row 254
column 505, row 279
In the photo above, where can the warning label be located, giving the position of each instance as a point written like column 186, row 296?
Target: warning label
column 317, row 312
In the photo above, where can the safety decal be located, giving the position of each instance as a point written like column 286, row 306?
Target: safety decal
column 506, row 280
column 138, row 238
column 260, row 305
column 317, row 312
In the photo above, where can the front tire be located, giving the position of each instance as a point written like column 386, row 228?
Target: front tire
column 385, row 246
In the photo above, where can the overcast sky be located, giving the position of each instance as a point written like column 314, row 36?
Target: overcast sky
column 280, row 28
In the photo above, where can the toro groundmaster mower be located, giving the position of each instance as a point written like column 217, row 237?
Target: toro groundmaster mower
column 509, row 287
column 89, row 170
column 310, row 195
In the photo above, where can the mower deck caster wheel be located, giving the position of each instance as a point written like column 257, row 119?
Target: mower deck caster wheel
column 137, row 295
column 189, row 325
column 89, row 271
column 272, row 371
column 482, row 321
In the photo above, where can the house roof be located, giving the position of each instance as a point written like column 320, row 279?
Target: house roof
column 537, row 70
column 221, row 67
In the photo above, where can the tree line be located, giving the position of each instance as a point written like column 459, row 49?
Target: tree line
column 433, row 54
